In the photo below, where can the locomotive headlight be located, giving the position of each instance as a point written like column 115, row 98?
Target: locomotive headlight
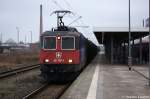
column 46, row 60
column 70, row 60
column 58, row 37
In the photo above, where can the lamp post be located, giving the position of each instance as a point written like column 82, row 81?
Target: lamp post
column 149, row 42
column 1, row 41
column 41, row 22
column 31, row 36
column 17, row 34
column 129, row 39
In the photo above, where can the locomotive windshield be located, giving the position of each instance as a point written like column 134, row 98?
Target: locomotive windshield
column 50, row 43
column 68, row 43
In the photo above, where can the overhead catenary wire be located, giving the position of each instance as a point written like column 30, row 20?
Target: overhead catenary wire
column 81, row 23
column 69, row 5
column 71, row 8
column 75, row 20
column 56, row 3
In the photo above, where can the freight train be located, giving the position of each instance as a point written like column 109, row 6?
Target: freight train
column 64, row 52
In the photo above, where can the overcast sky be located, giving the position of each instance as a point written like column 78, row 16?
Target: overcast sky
column 100, row 13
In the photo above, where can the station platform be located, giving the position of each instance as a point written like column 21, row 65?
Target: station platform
column 104, row 81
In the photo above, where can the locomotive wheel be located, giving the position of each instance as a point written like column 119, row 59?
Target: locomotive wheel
column 44, row 78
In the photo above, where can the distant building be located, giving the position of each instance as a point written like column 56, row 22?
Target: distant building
column 147, row 22
column 35, row 46
column 10, row 42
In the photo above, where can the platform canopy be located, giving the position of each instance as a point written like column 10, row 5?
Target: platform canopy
column 119, row 33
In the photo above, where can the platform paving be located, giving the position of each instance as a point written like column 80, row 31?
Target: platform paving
column 104, row 81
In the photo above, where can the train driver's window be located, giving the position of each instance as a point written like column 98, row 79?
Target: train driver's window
column 50, row 43
column 68, row 43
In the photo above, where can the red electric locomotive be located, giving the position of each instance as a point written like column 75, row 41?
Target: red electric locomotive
column 63, row 51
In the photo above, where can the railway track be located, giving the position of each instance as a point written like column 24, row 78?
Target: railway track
column 36, row 91
column 18, row 70
column 55, row 91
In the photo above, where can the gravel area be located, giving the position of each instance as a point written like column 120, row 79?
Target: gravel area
column 51, row 92
column 13, row 66
column 15, row 87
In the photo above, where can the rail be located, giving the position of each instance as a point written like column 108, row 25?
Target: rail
column 18, row 70
column 34, row 92
column 43, row 87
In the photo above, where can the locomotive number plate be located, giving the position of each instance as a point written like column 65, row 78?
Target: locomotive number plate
column 58, row 60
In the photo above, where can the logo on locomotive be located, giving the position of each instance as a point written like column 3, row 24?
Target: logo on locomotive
column 58, row 55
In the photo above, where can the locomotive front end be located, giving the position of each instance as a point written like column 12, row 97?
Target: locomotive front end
column 60, row 49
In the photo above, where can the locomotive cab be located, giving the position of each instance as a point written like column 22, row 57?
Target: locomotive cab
column 59, row 48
